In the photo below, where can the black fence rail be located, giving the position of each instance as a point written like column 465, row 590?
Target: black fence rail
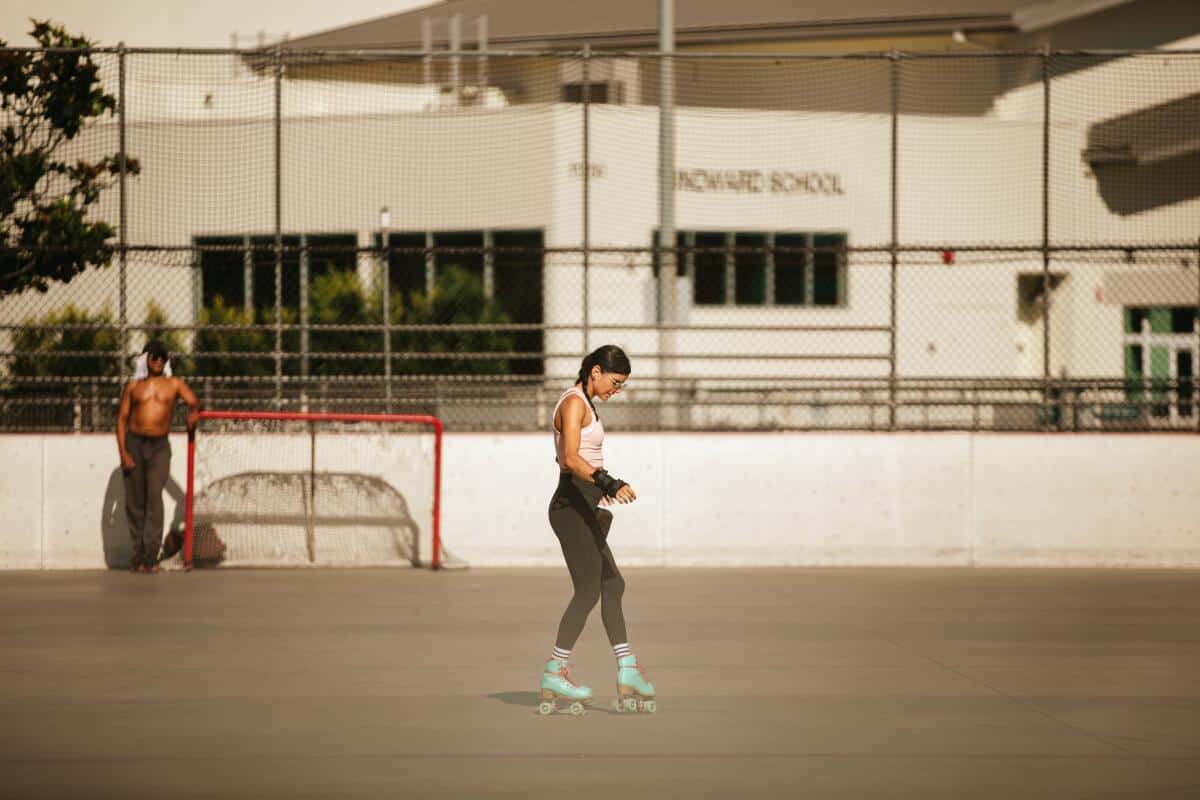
column 514, row 403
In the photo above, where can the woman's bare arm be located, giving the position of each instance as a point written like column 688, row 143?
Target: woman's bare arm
column 573, row 413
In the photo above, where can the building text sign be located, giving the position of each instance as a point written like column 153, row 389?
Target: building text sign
column 759, row 181
column 738, row 181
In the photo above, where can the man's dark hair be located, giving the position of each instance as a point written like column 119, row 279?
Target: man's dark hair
column 156, row 349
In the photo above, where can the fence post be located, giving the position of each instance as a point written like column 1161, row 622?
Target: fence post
column 427, row 51
column 278, row 227
column 587, row 209
column 94, row 406
column 248, row 252
column 1046, row 293
column 197, row 291
column 304, row 320
column 122, row 241
column 481, row 64
column 894, row 56
column 489, row 264
column 385, row 287
column 455, row 58
column 668, row 253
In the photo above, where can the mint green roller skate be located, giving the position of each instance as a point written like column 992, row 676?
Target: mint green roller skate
column 634, row 693
column 557, row 684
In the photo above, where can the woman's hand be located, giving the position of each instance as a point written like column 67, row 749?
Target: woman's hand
column 625, row 494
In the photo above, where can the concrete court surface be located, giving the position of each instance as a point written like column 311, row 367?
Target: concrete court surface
column 813, row 683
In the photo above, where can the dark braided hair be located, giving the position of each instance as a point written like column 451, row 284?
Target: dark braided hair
column 609, row 358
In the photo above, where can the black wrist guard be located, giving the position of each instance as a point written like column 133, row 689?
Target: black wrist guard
column 607, row 483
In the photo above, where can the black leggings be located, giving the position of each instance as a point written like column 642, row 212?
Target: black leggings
column 582, row 530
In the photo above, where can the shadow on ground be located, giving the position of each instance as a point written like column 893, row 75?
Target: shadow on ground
column 531, row 700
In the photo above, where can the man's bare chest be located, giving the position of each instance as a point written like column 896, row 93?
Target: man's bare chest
column 153, row 392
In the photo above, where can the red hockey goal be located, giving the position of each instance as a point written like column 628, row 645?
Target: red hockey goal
column 314, row 489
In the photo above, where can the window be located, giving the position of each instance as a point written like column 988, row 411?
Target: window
column 330, row 251
column 750, row 270
column 406, row 262
column 708, row 270
column 1183, row 320
column 763, row 269
column 827, row 271
column 791, row 269
column 469, row 258
column 240, row 270
column 222, row 270
column 517, row 266
column 1161, row 358
column 507, row 263
column 1185, row 372
column 597, row 92
column 262, row 257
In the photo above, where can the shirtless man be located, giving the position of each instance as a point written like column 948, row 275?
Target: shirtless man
column 143, row 422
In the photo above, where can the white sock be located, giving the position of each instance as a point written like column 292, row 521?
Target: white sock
column 560, row 654
column 622, row 650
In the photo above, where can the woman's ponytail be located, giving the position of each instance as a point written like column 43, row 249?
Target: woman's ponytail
column 609, row 358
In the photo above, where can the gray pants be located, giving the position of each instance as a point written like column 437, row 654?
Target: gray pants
column 582, row 531
column 143, row 494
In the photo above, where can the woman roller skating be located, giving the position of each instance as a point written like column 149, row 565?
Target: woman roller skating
column 581, row 523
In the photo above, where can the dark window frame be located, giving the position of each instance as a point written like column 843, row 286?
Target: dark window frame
column 815, row 279
column 256, row 253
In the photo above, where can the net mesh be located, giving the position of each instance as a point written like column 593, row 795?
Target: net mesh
column 269, row 492
column 381, row 232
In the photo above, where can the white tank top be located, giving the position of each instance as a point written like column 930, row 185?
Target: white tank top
column 591, row 438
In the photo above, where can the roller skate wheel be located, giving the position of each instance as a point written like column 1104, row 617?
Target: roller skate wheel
column 649, row 706
column 577, row 709
column 545, row 708
column 630, row 705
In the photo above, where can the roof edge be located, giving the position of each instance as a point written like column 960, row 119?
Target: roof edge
column 719, row 34
column 1038, row 16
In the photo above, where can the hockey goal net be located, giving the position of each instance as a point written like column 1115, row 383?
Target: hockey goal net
column 314, row 489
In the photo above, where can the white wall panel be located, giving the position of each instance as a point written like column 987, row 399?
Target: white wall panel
column 770, row 499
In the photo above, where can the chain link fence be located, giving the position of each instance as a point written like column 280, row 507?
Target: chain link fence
column 986, row 241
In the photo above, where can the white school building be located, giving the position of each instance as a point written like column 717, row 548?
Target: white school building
column 745, row 177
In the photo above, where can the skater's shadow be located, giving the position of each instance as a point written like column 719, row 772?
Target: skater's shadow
column 114, row 529
column 530, row 699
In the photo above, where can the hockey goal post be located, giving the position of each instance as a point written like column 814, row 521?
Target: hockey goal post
column 269, row 488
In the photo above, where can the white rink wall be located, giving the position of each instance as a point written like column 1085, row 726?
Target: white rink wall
column 765, row 499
